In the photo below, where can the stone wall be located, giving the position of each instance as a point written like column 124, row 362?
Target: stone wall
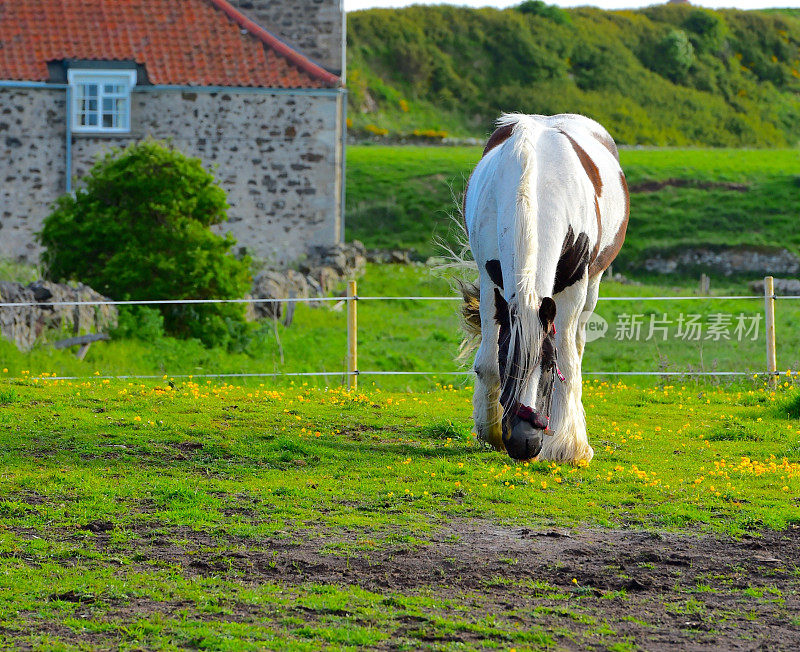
column 29, row 324
column 277, row 155
column 314, row 27
column 735, row 260
column 32, row 155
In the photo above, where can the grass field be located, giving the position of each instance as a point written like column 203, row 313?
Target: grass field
column 425, row 336
column 212, row 516
column 401, row 196
column 289, row 514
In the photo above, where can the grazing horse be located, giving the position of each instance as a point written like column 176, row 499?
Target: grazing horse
column 546, row 210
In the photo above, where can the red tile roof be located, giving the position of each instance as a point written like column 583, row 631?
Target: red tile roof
column 180, row 42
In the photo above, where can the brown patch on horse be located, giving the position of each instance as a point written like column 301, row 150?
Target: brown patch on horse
column 502, row 316
column 572, row 263
column 592, row 171
column 609, row 253
column 498, row 137
column 607, row 142
column 596, row 249
column 495, row 272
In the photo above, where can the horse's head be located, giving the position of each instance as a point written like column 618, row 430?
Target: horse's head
column 528, row 381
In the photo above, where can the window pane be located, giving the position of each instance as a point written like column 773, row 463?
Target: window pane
column 102, row 104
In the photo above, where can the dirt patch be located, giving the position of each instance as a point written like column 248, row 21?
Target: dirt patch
column 651, row 185
column 660, row 591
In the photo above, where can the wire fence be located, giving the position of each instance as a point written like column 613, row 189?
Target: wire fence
column 351, row 374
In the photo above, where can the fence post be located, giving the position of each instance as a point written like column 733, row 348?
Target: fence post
column 352, row 335
column 769, row 309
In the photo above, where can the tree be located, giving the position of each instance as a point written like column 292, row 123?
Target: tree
column 539, row 8
column 138, row 229
column 673, row 55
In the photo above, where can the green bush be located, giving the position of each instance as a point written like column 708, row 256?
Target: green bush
column 539, row 8
column 138, row 228
column 707, row 30
column 673, row 55
column 139, row 322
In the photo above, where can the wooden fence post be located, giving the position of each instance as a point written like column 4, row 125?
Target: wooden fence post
column 769, row 309
column 352, row 335
column 705, row 285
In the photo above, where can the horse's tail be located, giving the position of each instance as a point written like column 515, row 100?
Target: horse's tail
column 518, row 239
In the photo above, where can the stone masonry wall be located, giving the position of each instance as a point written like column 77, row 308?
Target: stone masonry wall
column 314, row 27
column 277, row 156
column 32, row 155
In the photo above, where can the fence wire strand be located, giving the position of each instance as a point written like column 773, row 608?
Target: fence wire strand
column 158, row 302
column 344, row 299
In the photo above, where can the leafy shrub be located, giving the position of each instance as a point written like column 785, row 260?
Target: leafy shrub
column 375, row 130
column 432, row 134
column 673, row 55
column 539, row 8
column 138, row 228
column 139, row 322
column 707, row 30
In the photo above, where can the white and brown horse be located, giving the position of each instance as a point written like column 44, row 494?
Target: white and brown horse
column 546, row 211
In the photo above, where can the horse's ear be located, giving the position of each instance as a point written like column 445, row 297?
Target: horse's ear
column 547, row 314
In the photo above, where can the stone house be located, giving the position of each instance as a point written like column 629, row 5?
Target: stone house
column 254, row 88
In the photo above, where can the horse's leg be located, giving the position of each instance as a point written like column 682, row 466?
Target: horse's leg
column 487, row 413
column 592, row 293
column 568, row 441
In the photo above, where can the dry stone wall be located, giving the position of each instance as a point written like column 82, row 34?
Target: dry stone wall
column 276, row 154
column 26, row 324
column 734, row 260
column 315, row 276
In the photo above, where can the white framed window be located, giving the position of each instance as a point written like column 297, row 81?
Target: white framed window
column 101, row 100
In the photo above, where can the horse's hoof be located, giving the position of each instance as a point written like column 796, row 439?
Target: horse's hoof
column 524, row 442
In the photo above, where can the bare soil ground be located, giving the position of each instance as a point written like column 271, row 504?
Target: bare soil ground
column 657, row 591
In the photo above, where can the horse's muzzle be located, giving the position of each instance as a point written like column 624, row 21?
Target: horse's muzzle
column 524, row 440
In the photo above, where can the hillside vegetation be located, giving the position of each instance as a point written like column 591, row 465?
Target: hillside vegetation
column 663, row 75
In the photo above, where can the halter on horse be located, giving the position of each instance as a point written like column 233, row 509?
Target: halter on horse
column 546, row 211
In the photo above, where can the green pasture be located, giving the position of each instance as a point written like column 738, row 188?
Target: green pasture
column 98, row 476
column 407, row 196
column 424, row 336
